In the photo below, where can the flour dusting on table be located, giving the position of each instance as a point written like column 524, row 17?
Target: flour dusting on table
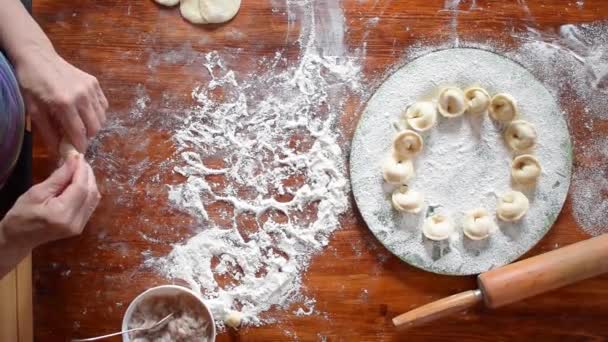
column 281, row 184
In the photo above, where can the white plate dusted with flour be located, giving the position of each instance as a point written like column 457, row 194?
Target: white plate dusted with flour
column 464, row 164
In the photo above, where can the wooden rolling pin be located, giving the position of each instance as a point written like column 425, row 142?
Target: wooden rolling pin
column 520, row 280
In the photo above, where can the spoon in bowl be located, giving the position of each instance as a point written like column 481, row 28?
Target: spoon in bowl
column 154, row 327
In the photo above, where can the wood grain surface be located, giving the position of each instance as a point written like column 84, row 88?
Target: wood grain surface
column 83, row 285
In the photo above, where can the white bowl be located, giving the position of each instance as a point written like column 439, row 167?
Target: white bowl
column 165, row 290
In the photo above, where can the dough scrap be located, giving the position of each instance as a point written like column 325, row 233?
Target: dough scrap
column 520, row 135
column 397, row 171
column 451, row 102
column 512, row 206
column 503, row 108
column 407, row 200
column 421, row 116
column 407, row 144
column 437, row 227
column 478, row 224
column 525, row 169
column 478, row 100
column 168, row 3
column 233, row 319
column 208, row 11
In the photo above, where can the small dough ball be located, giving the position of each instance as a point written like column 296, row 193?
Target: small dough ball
column 397, row 171
column 437, row 227
column 407, row 144
column 233, row 319
column 478, row 224
column 451, row 102
column 512, row 206
column 219, row 11
column 503, row 108
column 421, row 116
column 520, row 135
column 407, row 200
column 167, row 2
column 525, row 169
column 66, row 149
column 478, row 100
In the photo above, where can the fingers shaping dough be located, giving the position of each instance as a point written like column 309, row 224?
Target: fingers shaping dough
column 525, row 169
column 208, row 11
column 407, row 144
column 503, row 107
column 478, row 100
column 407, row 200
column 520, row 135
column 421, row 116
column 478, row 224
column 512, row 206
column 397, row 171
column 437, row 227
column 451, row 102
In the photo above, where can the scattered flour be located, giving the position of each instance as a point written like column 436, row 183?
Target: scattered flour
column 282, row 171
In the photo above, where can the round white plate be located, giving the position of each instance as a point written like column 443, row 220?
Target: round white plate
column 464, row 164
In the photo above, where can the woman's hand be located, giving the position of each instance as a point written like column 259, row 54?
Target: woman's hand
column 61, row 99
column 55, row 209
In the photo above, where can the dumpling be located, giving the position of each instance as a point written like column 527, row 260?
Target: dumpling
column 478, row 100
column 407, row 200
column 451, row 102
column 512, row 206
column 520, row 135
column 478, row 224
column 525, row 169
column 421, row 116
column 503, row 108
column 407, row 144
column 397, row 171
column 437, row 227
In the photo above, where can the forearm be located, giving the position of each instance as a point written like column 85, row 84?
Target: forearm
column 10, row 253
column 20, row 35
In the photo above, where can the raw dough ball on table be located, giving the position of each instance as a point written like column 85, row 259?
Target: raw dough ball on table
column 407, row 144
column 478, row 224
column 437, row 227
column 512, row 206
column 451, row 102
column 525, row 169
column 520, row 135
column 233, row 319
column 397, row 171
column 209, row 11
column 407, row 200
column 478, row 100
column 167, row 2
column 421, row 116
column 503, row 108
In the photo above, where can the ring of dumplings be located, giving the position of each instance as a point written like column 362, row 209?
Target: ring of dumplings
column 519, row 135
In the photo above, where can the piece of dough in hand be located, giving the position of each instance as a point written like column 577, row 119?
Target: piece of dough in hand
column 66, row 149
column 168, row 3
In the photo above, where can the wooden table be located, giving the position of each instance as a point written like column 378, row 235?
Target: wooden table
column 83, row 285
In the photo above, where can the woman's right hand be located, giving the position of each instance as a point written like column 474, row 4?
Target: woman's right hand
column 55, row 209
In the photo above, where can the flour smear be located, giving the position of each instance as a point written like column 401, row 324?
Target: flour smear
column 283, row 184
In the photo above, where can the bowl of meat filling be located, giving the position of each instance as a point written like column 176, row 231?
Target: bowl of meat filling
column 192, row 321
